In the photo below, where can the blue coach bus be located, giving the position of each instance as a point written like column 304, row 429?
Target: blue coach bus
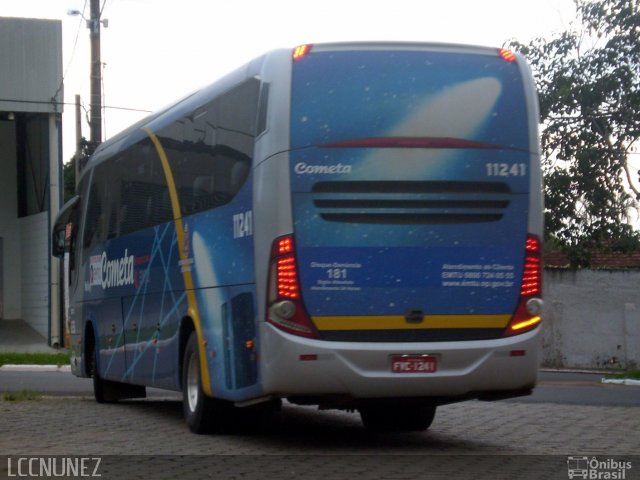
column 355, row 226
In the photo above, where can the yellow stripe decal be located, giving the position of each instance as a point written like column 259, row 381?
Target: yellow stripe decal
column 194, row 313
column 399, row 322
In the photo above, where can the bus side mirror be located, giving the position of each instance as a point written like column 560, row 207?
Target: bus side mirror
column 57, row 241
column 63, row 226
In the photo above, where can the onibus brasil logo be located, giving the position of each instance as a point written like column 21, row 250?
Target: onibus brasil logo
column 596, row 469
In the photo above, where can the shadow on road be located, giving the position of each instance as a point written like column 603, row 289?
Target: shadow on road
column 302, row 428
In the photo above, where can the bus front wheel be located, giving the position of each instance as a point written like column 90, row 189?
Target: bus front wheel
column 108, row 391
column 100, row 389
column 198, row 408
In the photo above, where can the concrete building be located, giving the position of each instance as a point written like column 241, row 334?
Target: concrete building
column 30, row 171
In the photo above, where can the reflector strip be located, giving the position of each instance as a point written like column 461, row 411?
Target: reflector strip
column 526, row 323
column 399, row 322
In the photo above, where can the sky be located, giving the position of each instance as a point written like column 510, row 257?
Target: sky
column 156, row 51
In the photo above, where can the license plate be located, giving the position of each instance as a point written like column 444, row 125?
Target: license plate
column 414, row 363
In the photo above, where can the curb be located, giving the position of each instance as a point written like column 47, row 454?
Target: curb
column 36, row 368
column 622, row 381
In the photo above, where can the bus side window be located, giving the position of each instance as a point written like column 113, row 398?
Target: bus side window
column 71, row 242
column 114, row 226
column 144, row 200
column 93, row 219
column 210, row 150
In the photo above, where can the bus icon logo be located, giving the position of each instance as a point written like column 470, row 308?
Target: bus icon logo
column 578, row 467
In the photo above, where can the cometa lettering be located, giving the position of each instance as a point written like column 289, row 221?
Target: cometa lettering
column 117, row 272
column 305, row 169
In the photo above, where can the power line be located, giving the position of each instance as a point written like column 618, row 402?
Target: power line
column 73, row 52
column 51, row 102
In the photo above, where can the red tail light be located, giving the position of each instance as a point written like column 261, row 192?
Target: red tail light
column 285, row 309
column 527, row 314
column 532, row 274
column 287, row 278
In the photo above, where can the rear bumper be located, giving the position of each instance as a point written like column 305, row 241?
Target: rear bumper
column 488, row 369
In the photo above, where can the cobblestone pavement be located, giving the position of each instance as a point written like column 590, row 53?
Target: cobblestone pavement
column 149, row 439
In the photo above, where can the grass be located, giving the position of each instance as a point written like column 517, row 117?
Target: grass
column 632, row 375
column 34, row 358
column 21, row 396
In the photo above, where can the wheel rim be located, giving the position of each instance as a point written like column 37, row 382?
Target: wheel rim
column 193, row 388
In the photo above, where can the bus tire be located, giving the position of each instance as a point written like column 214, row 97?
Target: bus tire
column 198, row 408
column 99, row 386
column 400, row 417
column 108, row 391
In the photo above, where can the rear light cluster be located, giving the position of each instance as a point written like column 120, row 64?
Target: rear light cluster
column 285, row 309
column 528, row 313
column 532, row 274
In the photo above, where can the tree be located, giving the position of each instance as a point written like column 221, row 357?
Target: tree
column 588, row 82
column 69, row 169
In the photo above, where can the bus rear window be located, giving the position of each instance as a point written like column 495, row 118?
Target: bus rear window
column 342, row 96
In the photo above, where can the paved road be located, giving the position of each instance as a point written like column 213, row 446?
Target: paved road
column 528, row 438
column 553, row 387
column 57, row 383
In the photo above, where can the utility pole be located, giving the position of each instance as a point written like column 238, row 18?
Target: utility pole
column 78, row 141
column 96, row 75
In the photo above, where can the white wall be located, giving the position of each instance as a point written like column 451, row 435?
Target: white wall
column 9, row 225
column 591, row 319
column 30, row 64
column 35, row 271
column 30, row 72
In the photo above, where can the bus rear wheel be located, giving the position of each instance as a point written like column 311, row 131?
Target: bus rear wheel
column 200, row 411
column 397, row 417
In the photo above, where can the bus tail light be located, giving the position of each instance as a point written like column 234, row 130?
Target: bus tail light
column 528, row 313
column 285, row 309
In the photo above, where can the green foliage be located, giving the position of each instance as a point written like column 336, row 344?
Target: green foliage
column 69, row 169
column 34, row 358
column 632, row 375
column 589, row 90
column 21, row 396
column 69, row 177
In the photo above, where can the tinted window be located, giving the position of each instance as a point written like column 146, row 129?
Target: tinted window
column 210, row 150
column 95, row 225
column 143, row 199
column 348, row 95
column 128, row 193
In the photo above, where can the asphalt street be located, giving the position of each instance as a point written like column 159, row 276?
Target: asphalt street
column 568, row 388
column 570, row 419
